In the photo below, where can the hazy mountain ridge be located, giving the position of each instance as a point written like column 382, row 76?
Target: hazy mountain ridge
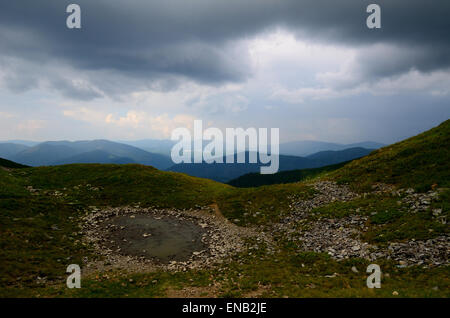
column 160, row 146
column 300, row 148
column 8, row 150
column 325, row 157
column 309, row 147
column 104, row 151
column 95, row 156
column 227, row 172
column 95, row 151
column 164, row 146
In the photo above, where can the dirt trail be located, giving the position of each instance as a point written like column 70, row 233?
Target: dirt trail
column 218, row 213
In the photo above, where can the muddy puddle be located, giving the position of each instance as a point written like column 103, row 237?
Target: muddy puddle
column 163, row 239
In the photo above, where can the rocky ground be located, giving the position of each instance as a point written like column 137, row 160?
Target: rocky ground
column 341, row 237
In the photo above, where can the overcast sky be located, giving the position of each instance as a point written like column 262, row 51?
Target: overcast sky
column 138, row 69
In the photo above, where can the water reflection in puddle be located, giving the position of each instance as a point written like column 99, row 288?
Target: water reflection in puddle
column 164, row 238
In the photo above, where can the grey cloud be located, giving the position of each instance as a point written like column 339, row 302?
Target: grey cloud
column 383, row 61
column 71, row 89
column 19, row 83
column 157, row 41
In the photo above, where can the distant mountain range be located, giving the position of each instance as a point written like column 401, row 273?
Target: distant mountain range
column 309, row 147
column 27, row 143
column 226, row 172
column 95, row 156
column 95, row 151
column 9, row 150
column 296, row 148
column 156, row 153
column 162, row 147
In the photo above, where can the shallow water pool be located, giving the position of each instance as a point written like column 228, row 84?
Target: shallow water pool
column 162, row 238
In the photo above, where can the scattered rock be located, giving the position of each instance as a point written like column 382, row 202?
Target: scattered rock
column 340, row 237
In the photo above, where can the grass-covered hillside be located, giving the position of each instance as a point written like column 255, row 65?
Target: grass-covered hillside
column 115, row 185
column 10, row 164
column 420, row 162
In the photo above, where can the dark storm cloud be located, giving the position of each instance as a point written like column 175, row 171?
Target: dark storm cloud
column 159, row 40
column 381, row 61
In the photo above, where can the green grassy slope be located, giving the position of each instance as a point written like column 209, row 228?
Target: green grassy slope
column 10, row 164
column 37, row 234
column 419, row 162
column 114, row 185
